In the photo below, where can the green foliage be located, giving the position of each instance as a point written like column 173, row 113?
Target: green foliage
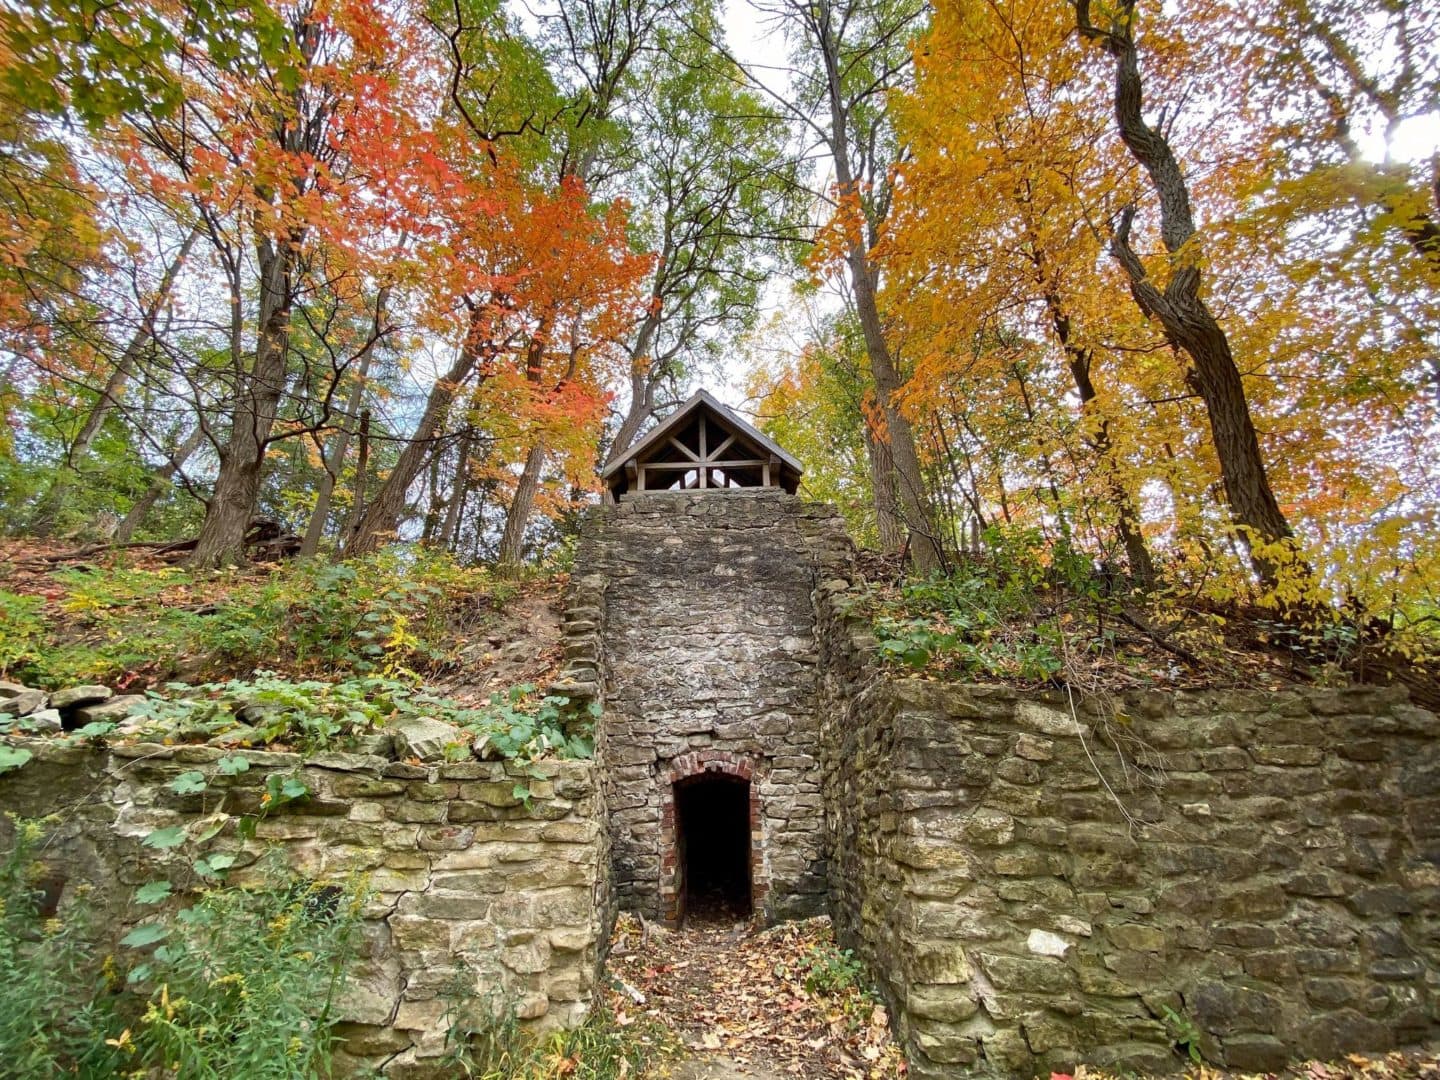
column 387, row 612
column 98, row 62
column 391, row 613
column 517, row 725
column 998, row 617
column 828, row 970
column 310, row 714
column 239, row 983
column 815, row 407
column 1187, row 1035
column 55, row 1012
column 110, row 622
column 313, row 715
column 22, row 631
column 246, row 979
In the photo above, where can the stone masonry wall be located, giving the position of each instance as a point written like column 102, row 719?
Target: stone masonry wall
column 462, row 872
column 1273, row 878
column 709, row 664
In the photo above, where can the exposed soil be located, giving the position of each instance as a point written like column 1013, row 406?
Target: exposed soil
column 519, row 643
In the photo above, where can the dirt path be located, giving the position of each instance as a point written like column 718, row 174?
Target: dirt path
column 746, row 1005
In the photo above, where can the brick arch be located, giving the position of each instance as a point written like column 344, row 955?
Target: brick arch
column 699, row 763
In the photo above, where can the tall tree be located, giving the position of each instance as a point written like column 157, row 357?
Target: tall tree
column 715, row 198
column 992, row 256
column 1178, row 302
column 850, row 55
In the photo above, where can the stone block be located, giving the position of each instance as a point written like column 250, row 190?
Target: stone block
column 1032, row 976
column 1045, row 720
column 948, row 1003
column 937, row 962
column 1136, row 936
column 1287, row 755
column 1046, row 1031
column 418, row 933
column 1231, row 1009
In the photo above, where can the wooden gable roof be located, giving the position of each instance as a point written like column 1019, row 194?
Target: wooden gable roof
column 702, row 445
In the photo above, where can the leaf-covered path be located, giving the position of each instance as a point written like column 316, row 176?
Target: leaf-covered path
column 752, row 1005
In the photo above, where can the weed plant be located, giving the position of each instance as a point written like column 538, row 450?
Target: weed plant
column 1000, row 616
column 486, row 1041
column 240, row 983
column 57, row 1005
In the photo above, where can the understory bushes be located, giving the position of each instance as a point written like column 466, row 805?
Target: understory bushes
column 238, row 983
column 1033, row 611
column 393, row 612
column 312, row 715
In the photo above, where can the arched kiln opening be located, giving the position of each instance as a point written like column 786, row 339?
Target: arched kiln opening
column 713, row 845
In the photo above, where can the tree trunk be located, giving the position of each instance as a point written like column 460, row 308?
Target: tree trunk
column 79, row 450
column 457, row 490
column 357, row 501
column 339, row 443
column 642, row 405
column 924, row 547
column 512, row 541
column 1079, row 359
column 645, row 373
column 257, row 402
column 257, row 392
column 882, row 483
column 160, row 483
column 1187, row 320
column 382, row 516
column 437, row 504
column 1127, row 519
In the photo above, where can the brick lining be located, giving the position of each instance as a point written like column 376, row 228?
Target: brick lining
column 699, row 763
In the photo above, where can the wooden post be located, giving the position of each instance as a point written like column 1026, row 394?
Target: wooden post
column 703, row 453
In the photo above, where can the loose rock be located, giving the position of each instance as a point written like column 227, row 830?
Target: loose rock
column 74, row 696
column 423, row 737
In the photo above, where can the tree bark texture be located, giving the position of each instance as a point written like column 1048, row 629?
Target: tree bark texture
column 380, row 519
column 912, row 500
column 339, row 443
column 456, row 502
column 1186, row 318
column 888, row 525
column 257, row 402
column 512, row 541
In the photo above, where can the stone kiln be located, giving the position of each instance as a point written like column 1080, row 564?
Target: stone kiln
column 709, row 742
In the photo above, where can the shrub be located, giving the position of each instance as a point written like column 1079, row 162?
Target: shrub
column 22, row 631
column 389, row 612
column 314, row 715
column 56, row 1008
column 486, row 1041
column 828, row 970
column 245, row 981
column 238, row 984
column 393, row 613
